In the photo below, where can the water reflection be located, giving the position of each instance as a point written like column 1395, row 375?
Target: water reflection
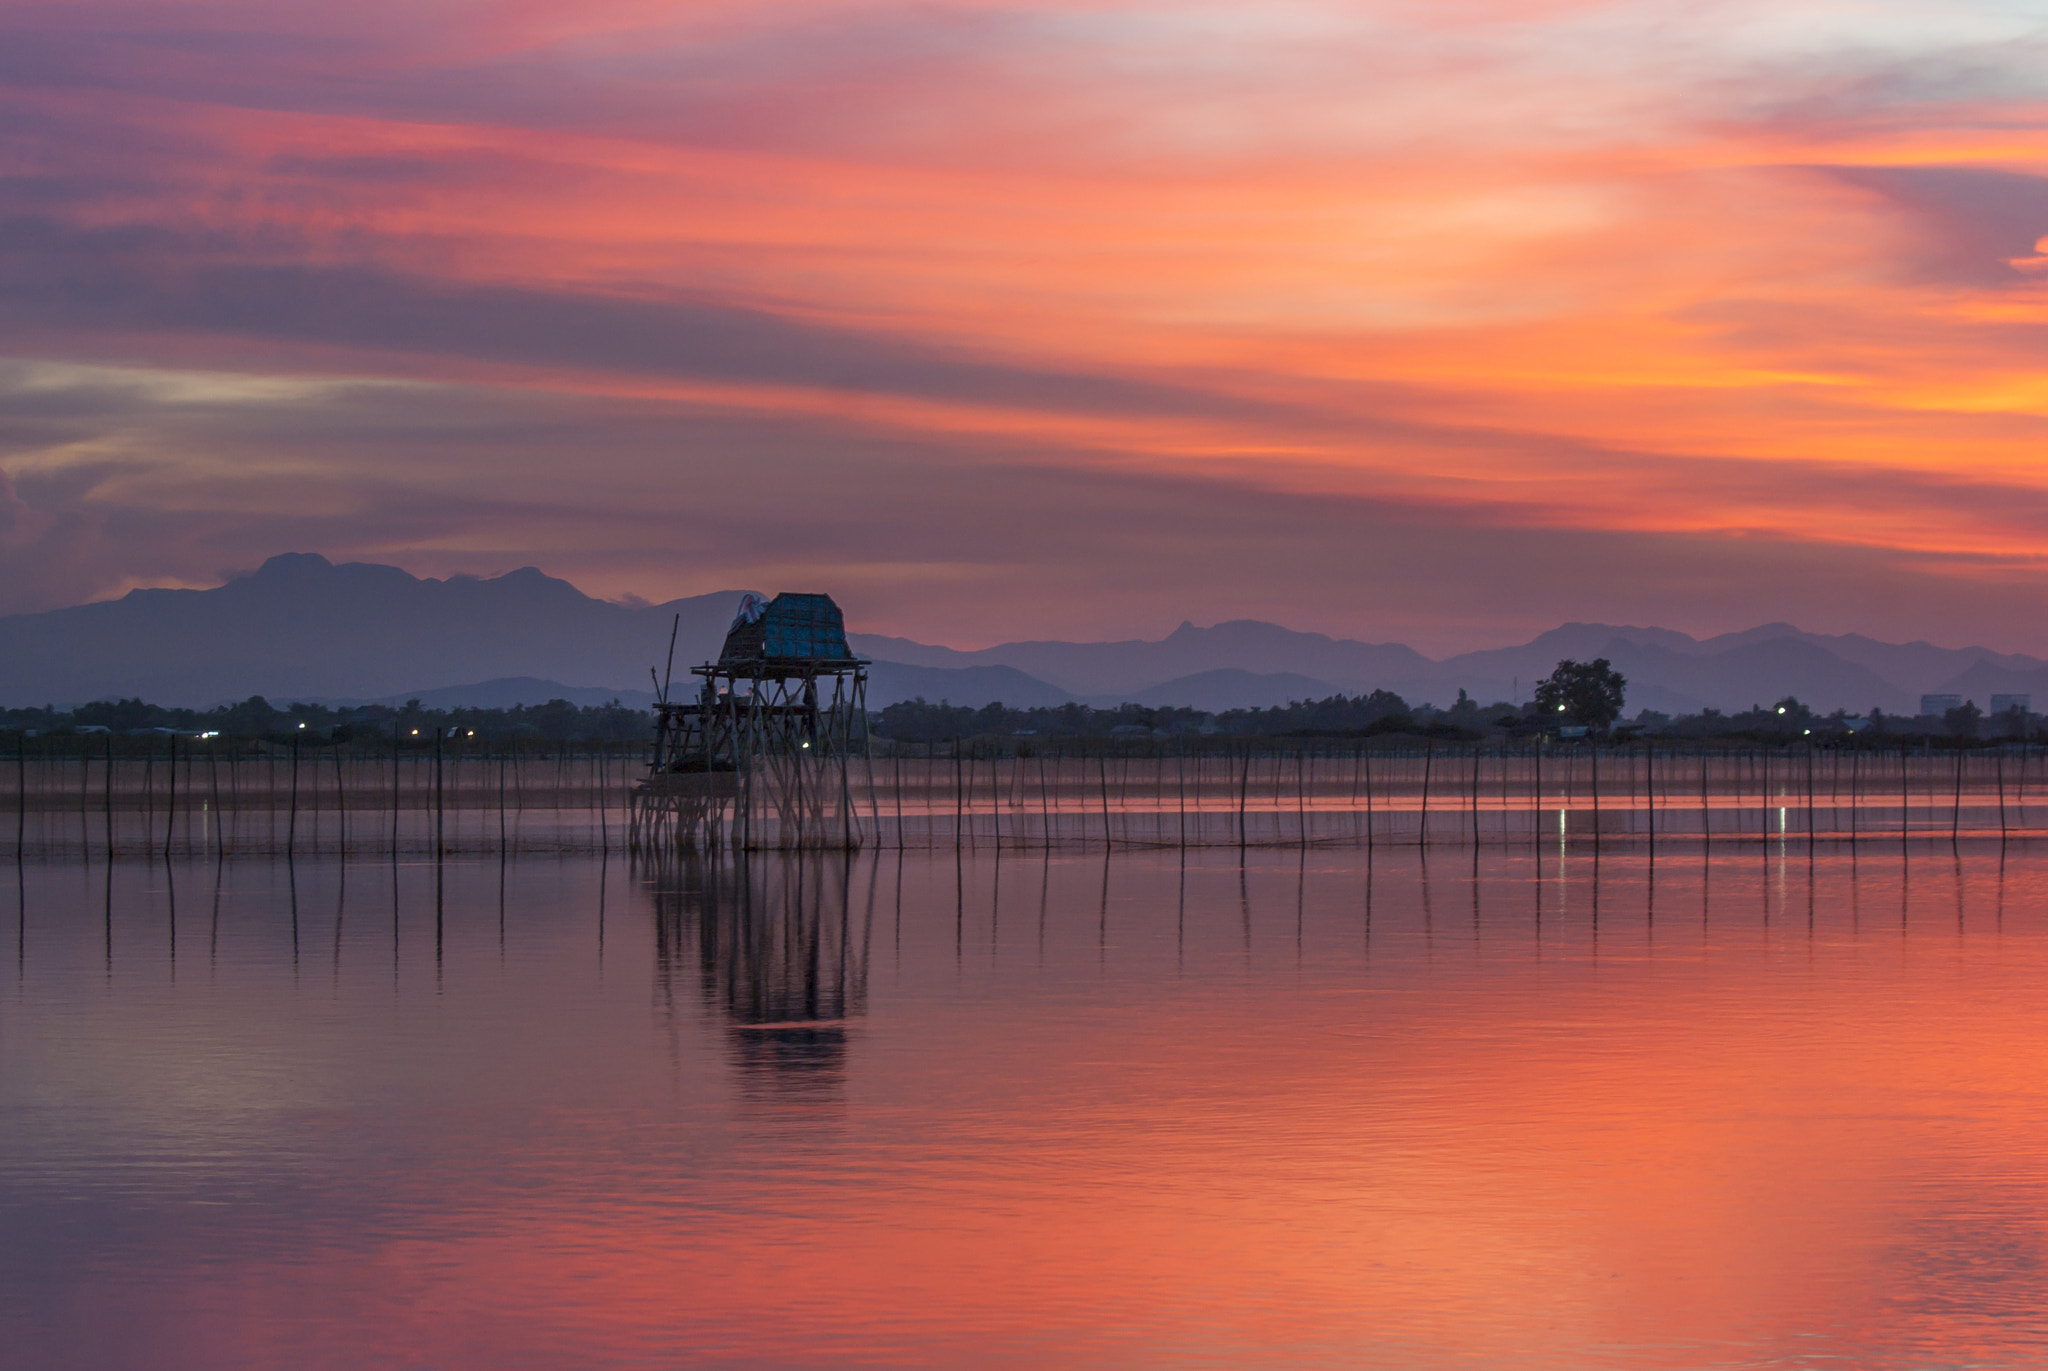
column 1528, row 1107
column 775, row 944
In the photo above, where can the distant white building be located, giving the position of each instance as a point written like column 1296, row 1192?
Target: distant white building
column 2005, row 704
column 1940, row 704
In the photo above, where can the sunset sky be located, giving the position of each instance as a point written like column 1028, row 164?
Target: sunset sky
column 1438, row 321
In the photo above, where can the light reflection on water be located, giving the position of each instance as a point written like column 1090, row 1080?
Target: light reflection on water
column 1751, row 1108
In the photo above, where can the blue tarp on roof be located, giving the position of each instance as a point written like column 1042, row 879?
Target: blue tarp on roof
column 790, row 627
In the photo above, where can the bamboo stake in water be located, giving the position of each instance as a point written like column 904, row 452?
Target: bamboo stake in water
column 1593, row 756
column 1855, row 792
column 171, row 800
column 2001, row 798
column 1367, row 759
column 1955, row 815
column 213, row 790
column 1244, row 792
column 394, row 791
column 110, row 798
column 1180, row 758
column 1650, row 795
column 1301, row 794
column 1475, row 796
column 1809, row 800
column 1428, row 759
column 340, row 801
column 1706, row 812
column 1102, row 770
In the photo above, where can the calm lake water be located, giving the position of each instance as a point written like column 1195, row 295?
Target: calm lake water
column 1753, row 1109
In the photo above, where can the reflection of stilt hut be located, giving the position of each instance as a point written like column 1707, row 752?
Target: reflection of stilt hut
column 777, row 946
column 760, row 756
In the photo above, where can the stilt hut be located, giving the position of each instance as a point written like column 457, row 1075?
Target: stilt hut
column 760, row 756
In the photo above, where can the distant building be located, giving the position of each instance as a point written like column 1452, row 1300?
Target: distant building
column 1940, row 704
column 2005, row 704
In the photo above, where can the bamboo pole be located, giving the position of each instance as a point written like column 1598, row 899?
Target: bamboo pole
column 1102, row 770
column 1428, row 760
column 2001, row 797
column 1593, row 757
column 1955, row 815
column 110, row 798
column 171, row 800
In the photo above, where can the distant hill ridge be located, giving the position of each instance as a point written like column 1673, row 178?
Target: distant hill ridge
column 301, row 628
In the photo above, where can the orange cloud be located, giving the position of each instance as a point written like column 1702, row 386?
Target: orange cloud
column 1537, row 265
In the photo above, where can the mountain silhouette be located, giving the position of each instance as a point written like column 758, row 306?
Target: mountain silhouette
column 303, row 628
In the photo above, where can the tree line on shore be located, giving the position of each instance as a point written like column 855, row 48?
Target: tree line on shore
column 255, row 717
column 1578, row 700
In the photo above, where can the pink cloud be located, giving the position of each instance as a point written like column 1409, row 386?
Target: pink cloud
column 1391, row 274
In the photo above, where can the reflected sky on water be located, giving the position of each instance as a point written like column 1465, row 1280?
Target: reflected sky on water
column 1759, row 1107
